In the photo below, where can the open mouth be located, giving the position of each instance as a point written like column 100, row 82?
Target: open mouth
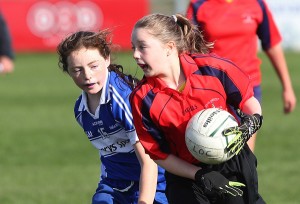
column 143, row 66
column 90, row 85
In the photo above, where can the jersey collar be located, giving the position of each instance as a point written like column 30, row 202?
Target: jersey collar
column 188, row 65
column 104, row 98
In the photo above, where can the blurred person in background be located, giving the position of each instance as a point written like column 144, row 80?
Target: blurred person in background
column 128, row 175
column 6, row 51
column 235, row 26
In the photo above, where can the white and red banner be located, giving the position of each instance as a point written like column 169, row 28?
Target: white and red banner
column 39, row 25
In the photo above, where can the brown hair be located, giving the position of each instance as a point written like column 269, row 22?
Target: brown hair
column 102, row 40
column 187, row 36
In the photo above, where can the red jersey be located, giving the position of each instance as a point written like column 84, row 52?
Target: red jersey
column 161, row 113
column 234, row 27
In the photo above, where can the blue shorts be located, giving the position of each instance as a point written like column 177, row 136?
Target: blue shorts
column 257, row 93
column 112, row 191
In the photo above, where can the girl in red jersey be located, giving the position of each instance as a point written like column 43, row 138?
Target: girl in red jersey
column 235, row 26
column 180, row 79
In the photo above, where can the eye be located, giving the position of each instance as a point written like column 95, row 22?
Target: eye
column 142, row 47
column 76, row 70
column 139, row 47
column 94, row 66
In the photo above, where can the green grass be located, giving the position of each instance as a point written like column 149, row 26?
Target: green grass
column 45, row 157
column 278, row 141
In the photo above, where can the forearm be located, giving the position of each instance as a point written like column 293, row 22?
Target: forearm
column 205, row 179
column 252, row 106
column 178, row 167
column 148, row 182
column 277, row 58
column 148, row 177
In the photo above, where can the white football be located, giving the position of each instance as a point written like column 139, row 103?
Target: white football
column 204, row 138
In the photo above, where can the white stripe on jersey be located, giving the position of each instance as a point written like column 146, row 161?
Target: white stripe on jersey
column 122, row 104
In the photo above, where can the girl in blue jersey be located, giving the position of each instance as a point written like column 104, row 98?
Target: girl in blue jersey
column 128, row 175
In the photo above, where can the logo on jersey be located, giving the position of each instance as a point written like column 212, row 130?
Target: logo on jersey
column 212, row 103
column 189, row 109
column 98, row 122
column 111, row 127
column 113, row 147
column 102, row 134
column 110, row 148
column 247, row 19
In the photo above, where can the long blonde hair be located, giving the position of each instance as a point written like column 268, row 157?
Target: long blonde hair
column 177, row 28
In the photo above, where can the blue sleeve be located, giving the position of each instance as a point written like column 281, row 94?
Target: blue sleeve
column 77, row 111
column 120, row 93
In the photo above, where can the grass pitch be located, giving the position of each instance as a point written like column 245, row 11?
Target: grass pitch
column 45, row 157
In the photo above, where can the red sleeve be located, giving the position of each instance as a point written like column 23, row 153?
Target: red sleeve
column 192, row 10
column 242, row 82
column 235, row 81
column 267, row 30
column 141, row 115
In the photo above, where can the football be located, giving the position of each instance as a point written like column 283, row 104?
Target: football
column 204, row 138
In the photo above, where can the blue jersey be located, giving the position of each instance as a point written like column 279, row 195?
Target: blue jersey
column 111, row 129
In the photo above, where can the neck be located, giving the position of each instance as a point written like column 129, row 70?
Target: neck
column 181, row 82
column 93, row 101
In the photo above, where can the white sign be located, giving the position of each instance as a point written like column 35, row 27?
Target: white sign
column 46, row 19
column 287, row 17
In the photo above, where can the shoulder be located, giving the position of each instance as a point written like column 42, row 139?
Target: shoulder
column 141, row 90
column 118, row 91
column 211, row 59
column 143, row 86
column 197, row 3
column 214, row 64
column 262, row 4
column 118, row 85
column 195, row 6
column 78, row 101
column 79, row 105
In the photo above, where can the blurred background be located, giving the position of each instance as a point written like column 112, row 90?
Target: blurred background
column 45, row 157
column 44, row 23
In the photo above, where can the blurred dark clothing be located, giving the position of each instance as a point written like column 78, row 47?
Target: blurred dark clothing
column 5, row 40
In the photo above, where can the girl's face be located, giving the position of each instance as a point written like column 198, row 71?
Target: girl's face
column 88, row 69
column 150, row 54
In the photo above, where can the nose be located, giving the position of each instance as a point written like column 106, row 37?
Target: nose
column 87, row 73
column 136, row 54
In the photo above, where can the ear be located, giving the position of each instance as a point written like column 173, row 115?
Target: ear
column 107, row 61
column 171, row 47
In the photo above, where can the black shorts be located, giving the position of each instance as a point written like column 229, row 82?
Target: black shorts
column 241, row 168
